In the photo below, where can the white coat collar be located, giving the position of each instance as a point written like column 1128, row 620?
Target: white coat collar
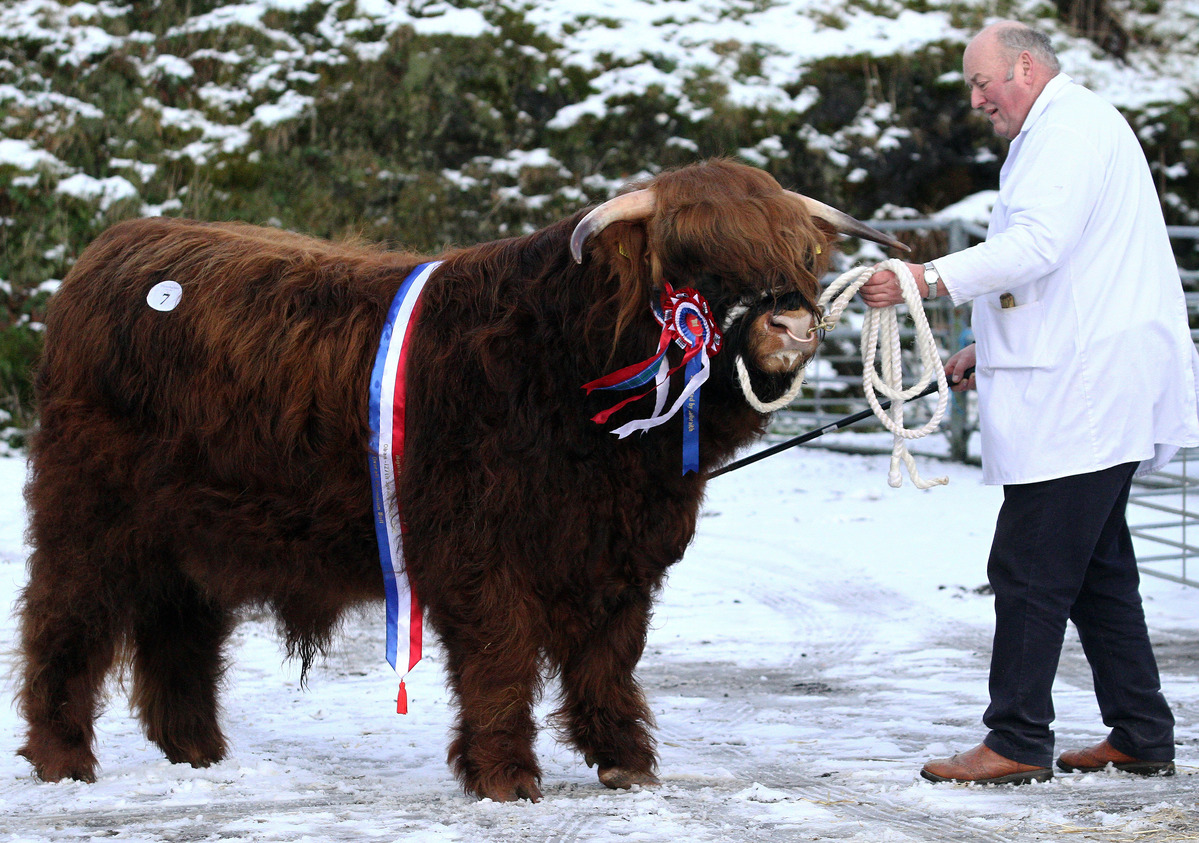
column 1051, row 90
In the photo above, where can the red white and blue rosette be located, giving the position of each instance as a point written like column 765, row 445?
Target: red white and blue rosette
column 687, row 321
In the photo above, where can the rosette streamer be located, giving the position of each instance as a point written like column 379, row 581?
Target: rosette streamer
column 687, row 321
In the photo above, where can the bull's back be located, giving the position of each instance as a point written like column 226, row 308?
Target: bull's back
column 260, row 363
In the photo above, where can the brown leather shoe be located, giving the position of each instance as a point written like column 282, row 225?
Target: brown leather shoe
column 982, row 765
column 1098, row 757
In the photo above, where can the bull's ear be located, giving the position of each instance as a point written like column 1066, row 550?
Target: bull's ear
column 624, row 244
column 625, row 248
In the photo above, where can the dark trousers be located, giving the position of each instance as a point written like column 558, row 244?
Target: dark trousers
column 1062, row 550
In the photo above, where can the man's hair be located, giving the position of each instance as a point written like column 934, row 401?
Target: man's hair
column 1018, row 37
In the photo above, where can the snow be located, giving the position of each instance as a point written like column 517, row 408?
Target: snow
column 25, row 156
column 823, row 636
column 759, row 53
column 107, row 191
column 289, row 107
column 692, row 38
column 975, row 208
column 169, row 65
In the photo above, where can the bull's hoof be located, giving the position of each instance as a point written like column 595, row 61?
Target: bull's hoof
column 196, row 756
column 619, row 778
column 195, row 741
column 508, row 785
column 55, row 769
column 512, row 793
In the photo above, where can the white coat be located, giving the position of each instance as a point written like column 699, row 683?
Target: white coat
column 1094, row 364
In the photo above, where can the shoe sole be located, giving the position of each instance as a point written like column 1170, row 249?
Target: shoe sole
column 1139, row 768
column 1042, row 775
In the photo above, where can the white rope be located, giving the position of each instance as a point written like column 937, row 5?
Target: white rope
column 880, row 330
column 767, row 406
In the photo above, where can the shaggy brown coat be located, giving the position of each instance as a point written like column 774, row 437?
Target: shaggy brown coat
column 215, row 456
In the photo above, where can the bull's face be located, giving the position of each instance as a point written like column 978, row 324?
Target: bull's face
column 756, row 252
column 778, row 337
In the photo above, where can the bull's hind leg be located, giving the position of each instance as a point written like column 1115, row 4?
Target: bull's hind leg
column 604, row 711
column 68, row 641
column 177, row 639
column 496, row 679
column 77, row 606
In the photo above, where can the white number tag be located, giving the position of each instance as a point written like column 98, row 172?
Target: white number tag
column 164, row 296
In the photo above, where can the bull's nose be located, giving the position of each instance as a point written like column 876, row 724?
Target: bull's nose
column 794, row 329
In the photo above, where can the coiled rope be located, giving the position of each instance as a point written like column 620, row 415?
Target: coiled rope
column 880, row 334
column 880, row 337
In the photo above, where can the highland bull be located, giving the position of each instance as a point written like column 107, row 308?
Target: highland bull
column 214, row 454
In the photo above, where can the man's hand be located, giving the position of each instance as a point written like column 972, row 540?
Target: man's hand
column 956, row 367
column 882, row 288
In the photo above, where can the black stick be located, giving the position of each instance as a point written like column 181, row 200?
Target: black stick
column 813, row 434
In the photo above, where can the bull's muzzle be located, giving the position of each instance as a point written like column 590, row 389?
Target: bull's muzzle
column 785, row 341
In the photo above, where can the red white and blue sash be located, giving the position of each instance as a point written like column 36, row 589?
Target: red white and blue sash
column 387, row 408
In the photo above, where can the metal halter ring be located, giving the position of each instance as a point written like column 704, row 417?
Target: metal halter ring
column 824, row 325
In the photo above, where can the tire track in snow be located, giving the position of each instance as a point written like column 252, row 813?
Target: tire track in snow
column 213, row 820
column 819, row 636
column 832, row 627
column 153, row 814
column 849, row 803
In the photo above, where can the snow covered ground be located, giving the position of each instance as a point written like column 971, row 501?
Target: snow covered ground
column 821, row 639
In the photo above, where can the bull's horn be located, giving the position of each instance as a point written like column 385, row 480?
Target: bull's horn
column 846, row 224
column 636, row 205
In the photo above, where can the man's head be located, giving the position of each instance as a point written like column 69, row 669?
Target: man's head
column 1007, row 65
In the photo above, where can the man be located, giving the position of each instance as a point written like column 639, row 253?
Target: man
column 1085, row 376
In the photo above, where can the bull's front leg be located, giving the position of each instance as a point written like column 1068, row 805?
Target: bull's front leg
column 604, row 711
column 495, row 671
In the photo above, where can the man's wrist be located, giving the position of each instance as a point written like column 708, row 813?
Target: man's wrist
column 931, row 278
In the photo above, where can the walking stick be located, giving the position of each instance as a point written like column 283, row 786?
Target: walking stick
column 813, row 434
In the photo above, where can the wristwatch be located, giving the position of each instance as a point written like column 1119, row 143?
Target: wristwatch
column 931, row 277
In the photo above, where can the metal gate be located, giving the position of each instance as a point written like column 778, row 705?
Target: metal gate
column 1162, row 510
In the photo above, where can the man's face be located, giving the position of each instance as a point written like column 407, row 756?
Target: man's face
column 998, row 85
